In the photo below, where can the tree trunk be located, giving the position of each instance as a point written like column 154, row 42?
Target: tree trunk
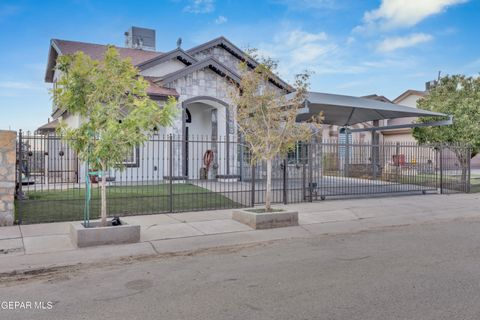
column 464, row 158
column 103, row 185
column 268, row 192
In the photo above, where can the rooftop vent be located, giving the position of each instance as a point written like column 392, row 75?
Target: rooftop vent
column 429, row 85
column 140, row 38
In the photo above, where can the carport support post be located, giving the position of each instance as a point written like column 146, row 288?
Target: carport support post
column 375, row 150
column 347, row 152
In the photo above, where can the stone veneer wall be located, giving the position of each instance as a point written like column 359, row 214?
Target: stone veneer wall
column 221, row 55
column 7, row 176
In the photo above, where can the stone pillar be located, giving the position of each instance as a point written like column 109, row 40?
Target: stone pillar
column 7, row 176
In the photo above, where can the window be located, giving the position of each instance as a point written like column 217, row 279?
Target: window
column 299, row 155
column 132, row 160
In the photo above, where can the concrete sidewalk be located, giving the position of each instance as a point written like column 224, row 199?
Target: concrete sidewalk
column 48, row 245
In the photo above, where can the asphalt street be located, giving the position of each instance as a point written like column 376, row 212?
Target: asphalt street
column 423, row 271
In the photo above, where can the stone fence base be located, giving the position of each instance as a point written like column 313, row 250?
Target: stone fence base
column 7, row 176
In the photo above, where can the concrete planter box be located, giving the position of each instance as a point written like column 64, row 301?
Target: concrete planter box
column 266, row 220
column 96, row 235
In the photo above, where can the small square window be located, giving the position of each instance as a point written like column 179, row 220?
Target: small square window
column 132, row 160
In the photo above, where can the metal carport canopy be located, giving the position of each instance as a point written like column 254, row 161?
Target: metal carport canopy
column 344, row 110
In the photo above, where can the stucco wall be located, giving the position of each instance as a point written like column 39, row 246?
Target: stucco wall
column 164, row 68
column 409, row 101
column 7, row 176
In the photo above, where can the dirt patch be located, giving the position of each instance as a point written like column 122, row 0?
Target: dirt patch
column 10, row 250
column 57, row 273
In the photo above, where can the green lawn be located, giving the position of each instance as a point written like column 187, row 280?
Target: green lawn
column 67, row 205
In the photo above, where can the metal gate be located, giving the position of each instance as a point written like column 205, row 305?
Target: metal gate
column 331, row 170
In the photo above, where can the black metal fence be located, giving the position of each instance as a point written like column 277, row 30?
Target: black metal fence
column 169, row 174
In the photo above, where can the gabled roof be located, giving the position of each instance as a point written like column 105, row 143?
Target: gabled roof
column 144, row 59
column 50, row 126
column 211, row 63
column 409, row 93
column 239, row 54
column 225, row 44
column 95, row 51
column 177, row 53
column 377, row 97
column 155, row 90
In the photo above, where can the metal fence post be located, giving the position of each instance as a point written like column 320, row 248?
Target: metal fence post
column 375, row 153
column 19, row 191
column 285, row 162
column 469, row 167
column 441, row 168
column 252, row 196
column 170, row 169
column 397, row 165
column 240, row 146
column 347, row 154
column 310, row 169
column 304, row 182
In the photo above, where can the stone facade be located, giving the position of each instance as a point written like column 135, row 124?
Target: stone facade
column 221, row 55
column 229, row 61
column 7, row 176
column 200, row 83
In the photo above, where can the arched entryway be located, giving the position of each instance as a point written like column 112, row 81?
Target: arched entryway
column 206, row 127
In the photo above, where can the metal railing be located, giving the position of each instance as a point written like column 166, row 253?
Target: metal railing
column 171, row 174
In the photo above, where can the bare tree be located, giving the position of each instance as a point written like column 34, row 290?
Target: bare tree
column 266, row 118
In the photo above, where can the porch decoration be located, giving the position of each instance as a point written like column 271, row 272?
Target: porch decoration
column 115, row 111
column 208, row 158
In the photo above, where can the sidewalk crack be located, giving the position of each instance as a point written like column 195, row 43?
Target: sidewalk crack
column 153, row 247
column 23, row 243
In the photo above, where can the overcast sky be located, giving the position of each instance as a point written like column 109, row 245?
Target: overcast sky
column 353, row 47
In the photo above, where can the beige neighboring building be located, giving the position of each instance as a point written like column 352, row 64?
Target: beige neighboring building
column 409, row 98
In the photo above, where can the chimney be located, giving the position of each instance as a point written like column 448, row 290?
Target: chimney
column 140, row 38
